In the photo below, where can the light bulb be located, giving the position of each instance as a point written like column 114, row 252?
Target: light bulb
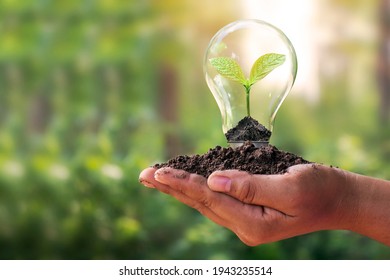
column 239, row 90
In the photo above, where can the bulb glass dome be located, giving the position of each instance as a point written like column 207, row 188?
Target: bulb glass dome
column 244, row 42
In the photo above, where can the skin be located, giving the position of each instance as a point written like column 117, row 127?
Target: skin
column 266, row 208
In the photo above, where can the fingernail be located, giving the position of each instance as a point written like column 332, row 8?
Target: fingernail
column 159, row 174
column 164, row 174
column 147, row 183
column 220, row 183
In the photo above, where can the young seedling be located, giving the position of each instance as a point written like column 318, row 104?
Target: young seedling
column 229, row 68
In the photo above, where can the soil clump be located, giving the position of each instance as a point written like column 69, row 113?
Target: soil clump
column 248, row 129
column 266, row 159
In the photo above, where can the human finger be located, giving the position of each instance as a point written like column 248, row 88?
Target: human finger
column 147, row 178
column 267, row 190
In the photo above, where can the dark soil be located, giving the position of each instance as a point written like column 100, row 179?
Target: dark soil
column 248, row 129
column 264, row 160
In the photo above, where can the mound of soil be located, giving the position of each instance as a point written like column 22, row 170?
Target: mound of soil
column 266, row 159
column 248, row 129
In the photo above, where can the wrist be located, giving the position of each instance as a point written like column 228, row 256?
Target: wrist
column 350, row 203
column 369, row 207
column 346, row 198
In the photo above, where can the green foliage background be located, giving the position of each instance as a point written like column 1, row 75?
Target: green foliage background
column 80, row 92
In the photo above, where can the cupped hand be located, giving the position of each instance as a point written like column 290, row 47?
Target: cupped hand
column 263, row 208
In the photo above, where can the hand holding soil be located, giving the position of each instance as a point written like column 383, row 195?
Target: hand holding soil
column 267, row 208
column 261, row 193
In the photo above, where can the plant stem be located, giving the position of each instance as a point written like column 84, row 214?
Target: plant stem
column 247, row 91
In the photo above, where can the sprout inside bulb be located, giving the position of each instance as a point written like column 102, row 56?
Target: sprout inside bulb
column 250, row 67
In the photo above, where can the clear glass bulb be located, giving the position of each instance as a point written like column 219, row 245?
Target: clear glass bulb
column 244, row 41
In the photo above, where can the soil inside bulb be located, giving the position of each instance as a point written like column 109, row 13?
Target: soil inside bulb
column 266, row 159
column 248, row 129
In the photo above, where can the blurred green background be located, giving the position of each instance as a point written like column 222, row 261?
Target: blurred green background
column 92, row 92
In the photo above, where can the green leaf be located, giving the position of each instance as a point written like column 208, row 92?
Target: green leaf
column 228, row 68
column 264, row 65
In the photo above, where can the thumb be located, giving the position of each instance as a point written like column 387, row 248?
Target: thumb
column 263, row 190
